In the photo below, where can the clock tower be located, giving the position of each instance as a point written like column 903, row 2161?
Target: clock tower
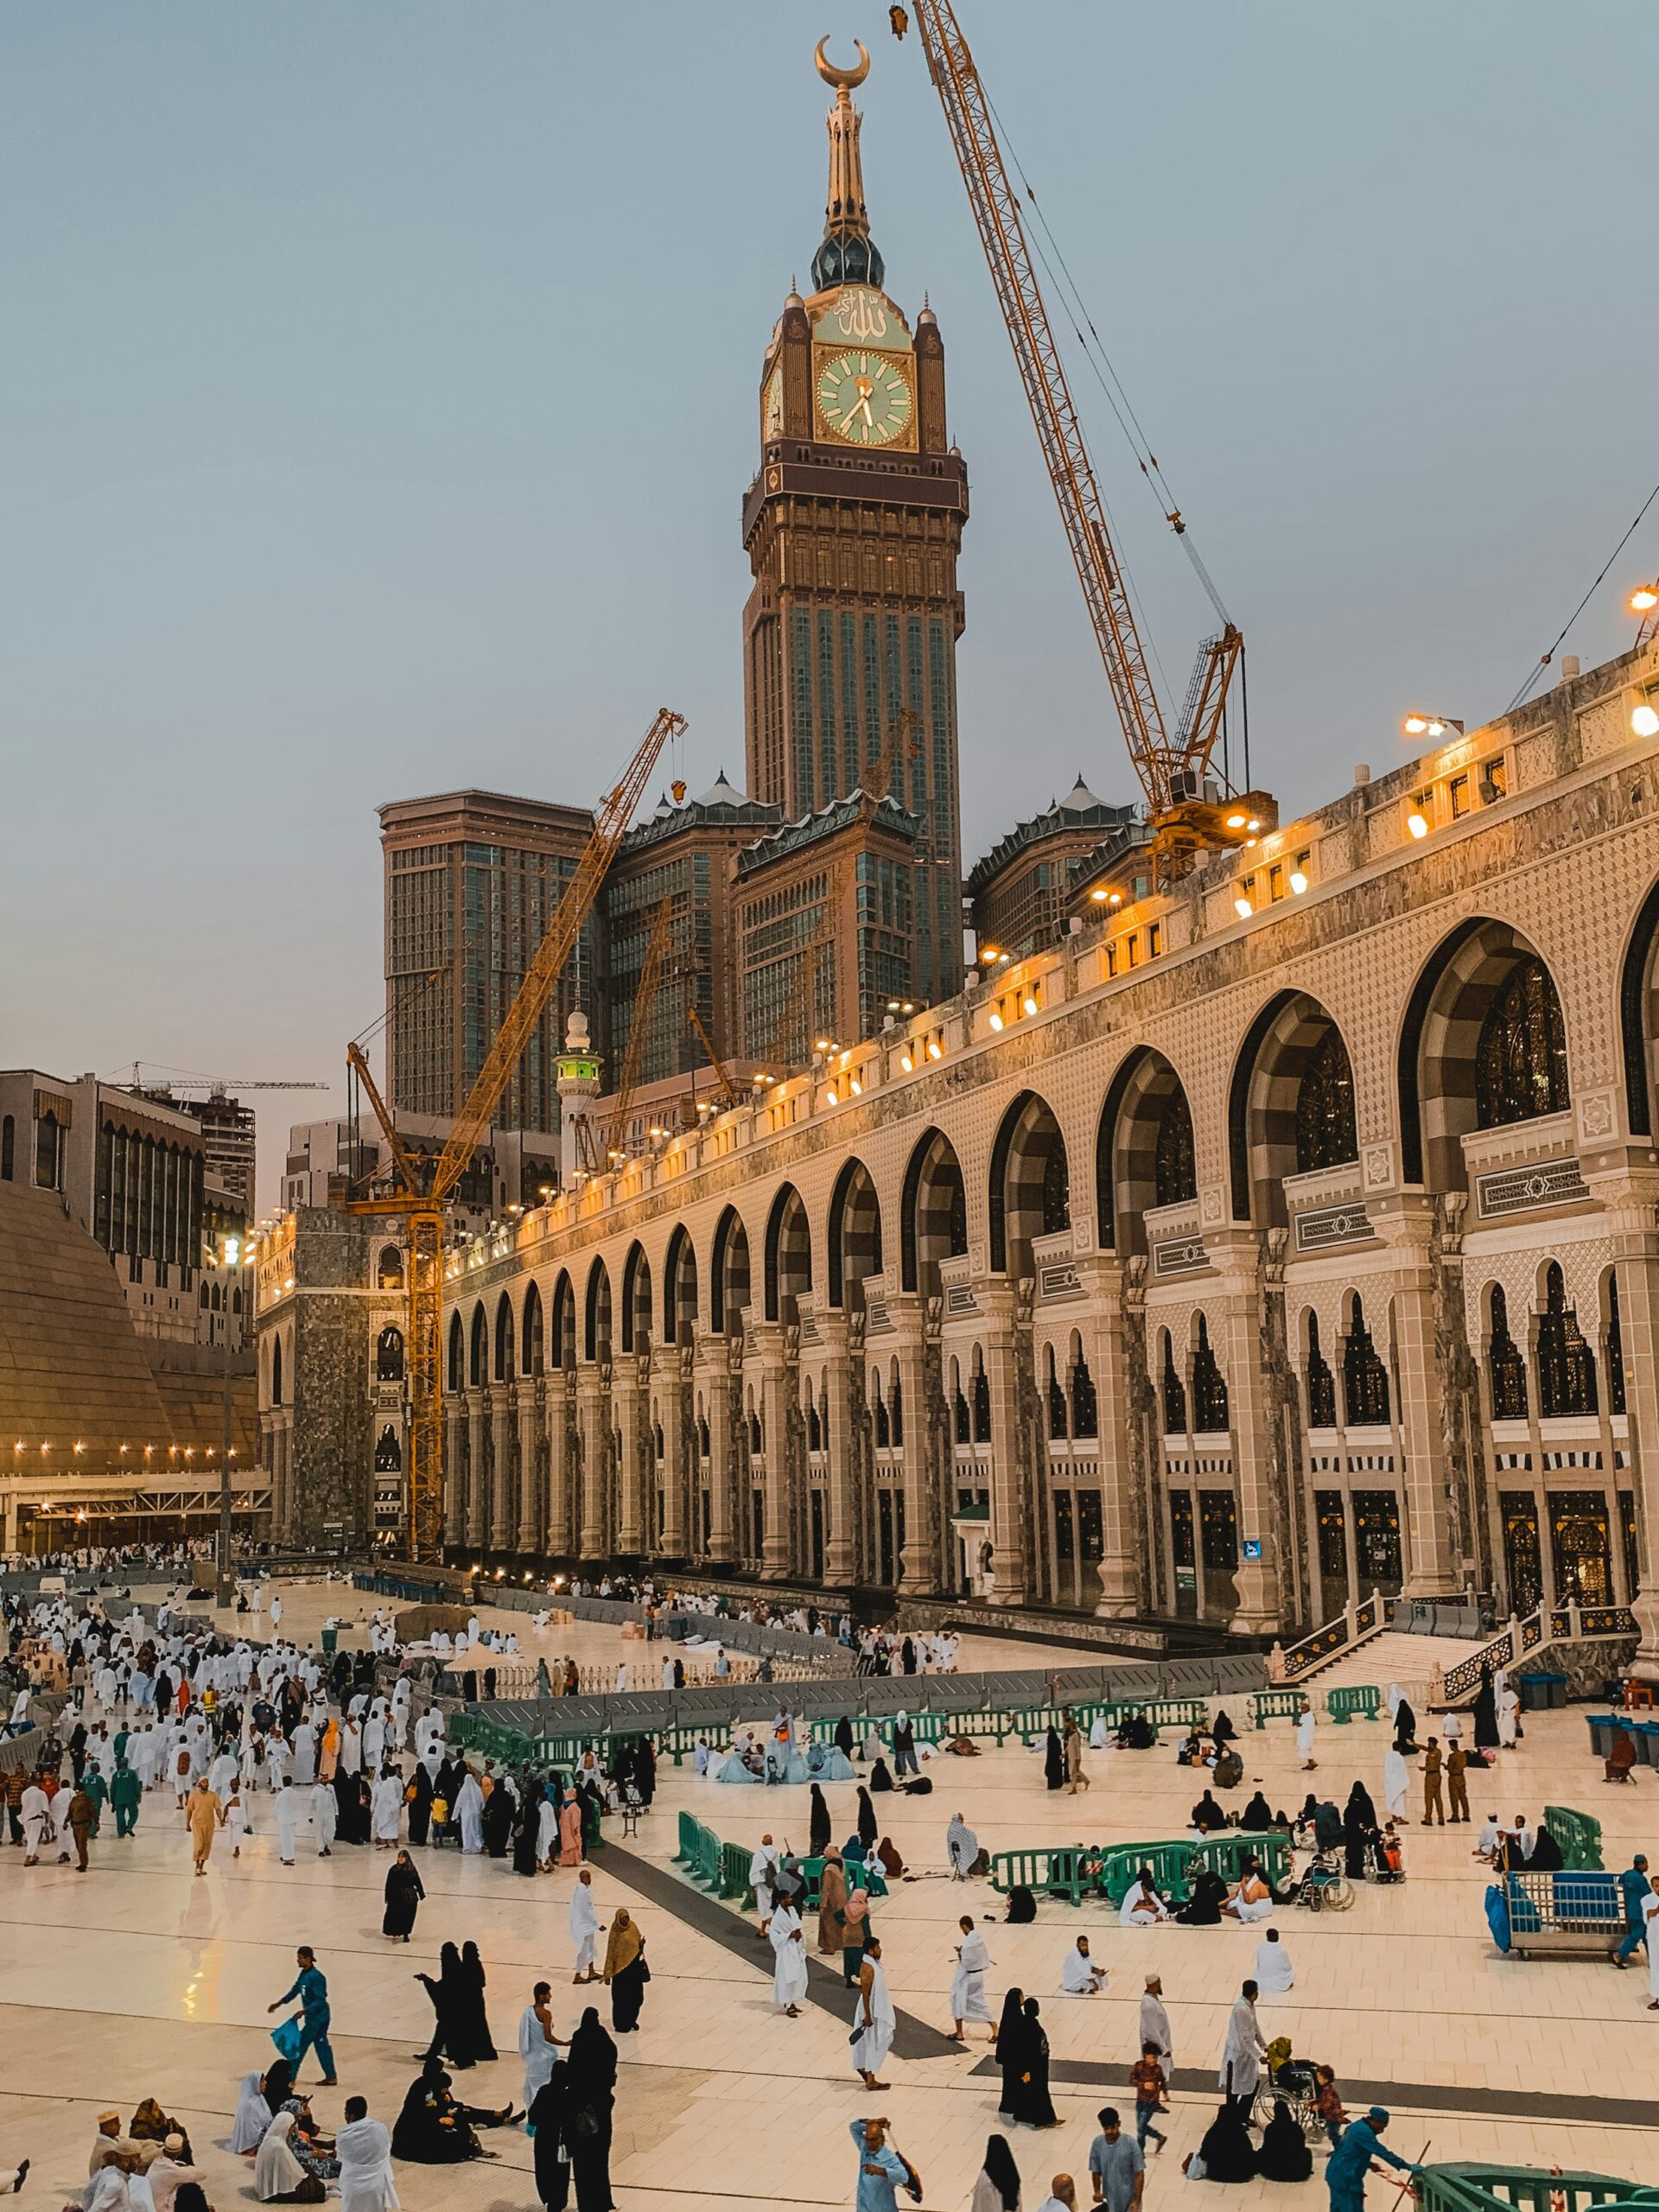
column 853, row 526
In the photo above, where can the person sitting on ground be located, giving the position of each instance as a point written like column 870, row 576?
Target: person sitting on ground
column 1252, row 1899
column 1621, row 1756
column 1190, row 1753
column 1134, row 1733
column 1230, row 1769
column 880, row 1777
column 1023, row 1906
column 278, row 2176
column 1142, row 1907
column 1489, row 1844
column 1284, row 2155
column 1202, row 1907
column 1257, row 1815
column 1547, row 1857
column 1081, row 1975
column 1226, row 2152
column 434, row 2130
column 1208, row 1817
column 1274, row 1972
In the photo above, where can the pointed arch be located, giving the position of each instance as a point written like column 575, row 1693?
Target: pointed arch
column 1453, row 1073
column 636, row 1300
column 788, row 1254
column 596, row 1312
column 478, row 1368
column 933, row 1217
column 277, row 1370
column 680, row 1288
column 562, row 1336
column 1144, row 1153
column 1290, row 1105
column 530, row 1340
column 504, row 1344
column 854, row 1238
column 728, row 1273
column 457, row 1354
column 1638, row 1016
column 1030, row 1182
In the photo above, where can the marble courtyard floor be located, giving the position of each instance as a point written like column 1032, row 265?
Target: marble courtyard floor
column 135, row 1980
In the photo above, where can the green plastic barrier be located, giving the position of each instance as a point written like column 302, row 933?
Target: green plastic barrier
column 1472, row 2186
column 1226, row 1855
column 734, row 1863
column 1052, row 1868
column 708, row 1867
column 1354, row 1701
column 1275, row 1705
column 1579, row 1836
column 691, row 1841
column 1171, row 1865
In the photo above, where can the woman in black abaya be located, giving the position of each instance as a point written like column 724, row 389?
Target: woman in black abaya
column 1032, row 2103
column 405, row 1891
column 1054, row 1761
column 1486, row 1737
column 448, row 2037
column 818, row 1828
column 471, row 2019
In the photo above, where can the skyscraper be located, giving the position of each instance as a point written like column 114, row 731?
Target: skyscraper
column 471, row 878
column 852, row 525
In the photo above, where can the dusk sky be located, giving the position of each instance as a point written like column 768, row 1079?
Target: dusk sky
column 380, row 392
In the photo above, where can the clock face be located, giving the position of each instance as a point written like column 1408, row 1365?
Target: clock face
column 864, row 397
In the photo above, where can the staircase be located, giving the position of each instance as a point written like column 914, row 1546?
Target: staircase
column 1454, row 1665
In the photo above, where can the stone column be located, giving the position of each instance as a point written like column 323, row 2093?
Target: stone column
column 1101, row 1331
column 678, row 1457
column 561, row 1506
column 1406, row 1226
column 478, row 1506
column 718, row 1386
column 502, row 1521
column 454, row 1500
column 841, row 1545
column 592, row 1417
column 290, row 1500
column 1233, row 1313
column 925, row 1511
column 1010, row 1519
column 1630, row 1197
column 628, row 1389
column 764, row 1349
column 529, row 1535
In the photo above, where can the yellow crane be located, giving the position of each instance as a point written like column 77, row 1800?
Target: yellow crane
column 423, row 1203
column 651, row 975
column 694, row 1021
column 1175, row 767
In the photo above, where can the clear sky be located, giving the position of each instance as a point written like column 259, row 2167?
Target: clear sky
column 379, row 393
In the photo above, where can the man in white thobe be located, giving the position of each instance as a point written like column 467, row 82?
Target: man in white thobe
column 873, row 2018
column 538, row 2045
column 1243, row 2053
column 325, row 1816
column 386, row 1807
column 763, row 1873
column 1080, row 1976
column 789, row 1960
column 34, row 1812
column 287, row 1809
column 1305, row 1735
column 1274, row 1974
column 584, row 1927
column 363, row 2149
column 1395, row 1782
column 1154, row 2024
column 968, row 1999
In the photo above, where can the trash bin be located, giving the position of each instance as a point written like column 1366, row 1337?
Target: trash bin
column 330, row 1642
column 1539, row 1692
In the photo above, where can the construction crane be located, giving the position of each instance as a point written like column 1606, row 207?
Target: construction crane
column 645, row 997
column 1187, row 810
column 694, row 1021
column 423, row 1203
column 217, row 1086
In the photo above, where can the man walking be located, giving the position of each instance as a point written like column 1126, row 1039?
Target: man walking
column 312, row 1990
column 883, row 2170
column 83, row 1819
column 125, row 1791
column 1633, row 1886
column 1116, row 2166
column 1243, row 2053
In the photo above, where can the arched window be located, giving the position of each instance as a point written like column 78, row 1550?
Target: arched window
column 277, row 1372
column 1086, row 1408
column 1365, row 1378
column 757, row 1441
column 389, row 1275
column 1321, row 1382
column 982, row 1401
column 879, row 1414
column 896, row 1408
column 236, row 1301
column 1326, row 1135
column 659, row 1440
column 1057, row 1408
column 702, row 1437
column 7, row 1147
column 1615, row 1351
column 814, row 1426
column 388, row 1453
column 1174, row 1173
column 204, row 1294
column 1210, row 1406
column 1505, row 1364
column 959, row 1405
column 389, row 1355
column 47, row 1152
column 1174, row 1392
column 479, row 1368
column 457, row 1354
column 1567, row 1367
column 1520, row 1063
column 1057, row 1189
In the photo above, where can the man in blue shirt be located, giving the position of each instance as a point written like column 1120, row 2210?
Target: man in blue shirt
column 313, row 1993
column 1633, row 1886
column 1349, row 2164
column 882, row 2171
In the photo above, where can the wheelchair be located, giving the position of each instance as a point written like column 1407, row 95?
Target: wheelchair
column 1324, row 1887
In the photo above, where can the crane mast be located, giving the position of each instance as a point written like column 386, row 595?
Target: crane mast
column 1172, row 768
column 423, row 1210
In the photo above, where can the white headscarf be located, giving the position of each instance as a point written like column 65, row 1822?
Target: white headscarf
column 252, row 2115
column 277, row 2172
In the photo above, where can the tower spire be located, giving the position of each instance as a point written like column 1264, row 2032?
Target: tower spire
column 847, row 254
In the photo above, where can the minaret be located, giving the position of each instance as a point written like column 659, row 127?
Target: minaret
column 848, row 256
column 577, row 1084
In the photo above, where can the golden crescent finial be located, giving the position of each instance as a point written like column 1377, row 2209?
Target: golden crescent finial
column 843, row 79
